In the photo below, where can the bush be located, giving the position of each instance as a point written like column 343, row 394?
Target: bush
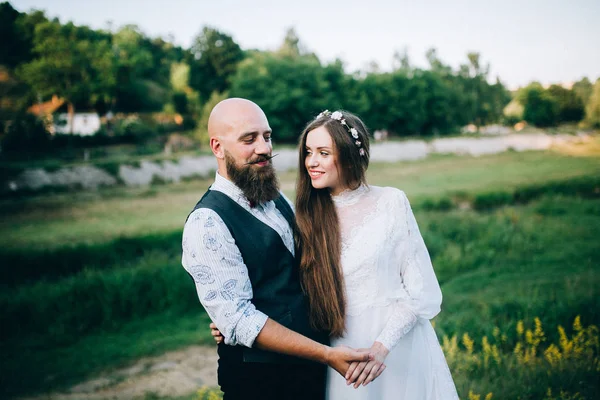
column 565, row 369
column 97, row 299
column 25, row 134
column 487, row 201
column 135, row 131
column 51, row 265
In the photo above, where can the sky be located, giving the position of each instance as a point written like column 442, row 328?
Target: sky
column 547, row 41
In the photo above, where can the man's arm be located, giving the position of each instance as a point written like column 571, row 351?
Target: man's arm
column 214, row 261
column 276, row 337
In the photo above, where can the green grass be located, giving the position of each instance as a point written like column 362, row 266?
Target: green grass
column 116, row 291
column 71, row 218
column 35, row 364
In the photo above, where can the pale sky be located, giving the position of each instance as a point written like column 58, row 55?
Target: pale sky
column 549, row 41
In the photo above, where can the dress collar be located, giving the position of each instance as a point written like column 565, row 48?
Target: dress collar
column 349, row 196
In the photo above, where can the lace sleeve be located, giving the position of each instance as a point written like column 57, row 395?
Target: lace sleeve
column 424, row 294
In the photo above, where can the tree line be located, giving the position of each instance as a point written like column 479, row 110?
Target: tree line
column 125, row 71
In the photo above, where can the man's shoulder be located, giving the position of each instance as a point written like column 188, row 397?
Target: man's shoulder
column 202, row 217
column 287, row 200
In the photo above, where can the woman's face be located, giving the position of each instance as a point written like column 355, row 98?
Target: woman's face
column 321, row 161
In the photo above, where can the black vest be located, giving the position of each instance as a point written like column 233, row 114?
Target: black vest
column 273, row 272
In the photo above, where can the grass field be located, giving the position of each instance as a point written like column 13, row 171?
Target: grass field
column 93, row 280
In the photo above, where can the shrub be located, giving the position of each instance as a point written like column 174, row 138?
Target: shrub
column 490, row 200
column 25, row 134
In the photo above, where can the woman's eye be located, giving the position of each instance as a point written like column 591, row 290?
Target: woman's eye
column 324, row 153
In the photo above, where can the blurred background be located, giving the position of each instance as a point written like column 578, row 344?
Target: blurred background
column 486, row 115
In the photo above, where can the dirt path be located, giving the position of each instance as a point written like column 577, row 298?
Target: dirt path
column 176, row 373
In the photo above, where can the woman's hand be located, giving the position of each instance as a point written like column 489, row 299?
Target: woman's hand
column 366, row 371
column 216, row 333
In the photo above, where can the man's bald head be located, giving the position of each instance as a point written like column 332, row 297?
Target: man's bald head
column 236, row 115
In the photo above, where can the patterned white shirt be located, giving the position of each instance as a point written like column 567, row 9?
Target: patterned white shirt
column 212, row 258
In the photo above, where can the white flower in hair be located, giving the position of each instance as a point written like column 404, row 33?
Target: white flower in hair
column 336, row 115
column 323, row 113
column 354, row 133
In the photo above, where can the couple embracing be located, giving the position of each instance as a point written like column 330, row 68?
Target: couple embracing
column 315, row 300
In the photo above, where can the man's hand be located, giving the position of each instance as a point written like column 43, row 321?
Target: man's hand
column 216, row 334
column 366, row 371
column 340, row 358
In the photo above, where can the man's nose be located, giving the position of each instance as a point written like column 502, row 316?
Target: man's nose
column 262, row 146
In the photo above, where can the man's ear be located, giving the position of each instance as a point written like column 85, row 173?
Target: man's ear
column 217, row 148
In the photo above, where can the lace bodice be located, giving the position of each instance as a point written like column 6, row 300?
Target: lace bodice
column 384, row 259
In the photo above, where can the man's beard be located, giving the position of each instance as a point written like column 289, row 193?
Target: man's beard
column 258, row 184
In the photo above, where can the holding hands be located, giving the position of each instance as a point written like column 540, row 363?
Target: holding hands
column 358, row 367
column 366, row 371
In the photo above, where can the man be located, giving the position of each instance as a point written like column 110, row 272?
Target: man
column 238, row 246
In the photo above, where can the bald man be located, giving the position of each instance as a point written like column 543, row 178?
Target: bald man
column 238, row 246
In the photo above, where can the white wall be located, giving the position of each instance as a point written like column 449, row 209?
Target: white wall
column 84, row 124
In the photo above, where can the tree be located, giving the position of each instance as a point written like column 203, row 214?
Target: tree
column 71, row 62
column 15, row 47
column 592, row 110
column 540, row 108
column 570, row 105
column 290, row 91
column 185, row 99
column 291, row 46
column 583, row 89
column 435, row 64
column 401, row 61
column 484, row 103
column 214, row 62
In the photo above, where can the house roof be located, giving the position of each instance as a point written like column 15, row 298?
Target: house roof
column 48, row 107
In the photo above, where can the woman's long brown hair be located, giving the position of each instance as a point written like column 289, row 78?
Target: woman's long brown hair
column 318, row 231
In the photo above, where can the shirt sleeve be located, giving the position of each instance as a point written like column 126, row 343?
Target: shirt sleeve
column 421, row 284
column 213, row 260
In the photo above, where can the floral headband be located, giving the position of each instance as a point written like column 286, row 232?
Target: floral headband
column 337, row 115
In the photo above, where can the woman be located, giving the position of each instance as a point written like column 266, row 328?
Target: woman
column 365, row 268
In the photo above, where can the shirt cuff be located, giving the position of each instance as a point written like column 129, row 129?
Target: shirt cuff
column 248, row 328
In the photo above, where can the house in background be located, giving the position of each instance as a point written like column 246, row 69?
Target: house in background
column 84, row 124
column 45, row 110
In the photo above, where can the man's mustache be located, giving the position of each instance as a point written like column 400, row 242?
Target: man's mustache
column 261, row 159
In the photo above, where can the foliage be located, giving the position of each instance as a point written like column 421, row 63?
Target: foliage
column 206, row 393
column 75, row 63
column 25, row 134
column 583, row 89
column 566, row 368
column 592, row 110
column 570, row 105
column 289, row 91
column 540, row 108
column 213, row 62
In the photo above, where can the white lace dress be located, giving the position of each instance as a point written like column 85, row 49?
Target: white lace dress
column 391, row 293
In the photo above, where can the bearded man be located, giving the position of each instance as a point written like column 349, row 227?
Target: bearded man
column 238, row 246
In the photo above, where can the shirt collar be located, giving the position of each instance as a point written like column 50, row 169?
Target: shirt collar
column 229, row 188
